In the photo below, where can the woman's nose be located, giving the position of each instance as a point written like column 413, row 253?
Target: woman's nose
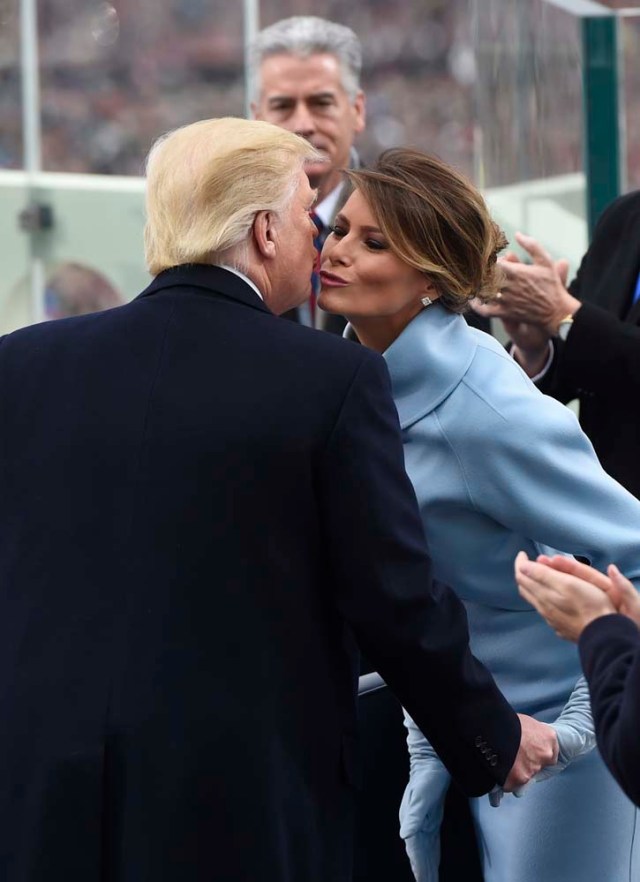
column 336, row 250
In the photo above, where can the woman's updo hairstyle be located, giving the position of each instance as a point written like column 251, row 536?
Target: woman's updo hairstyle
column 435, row 220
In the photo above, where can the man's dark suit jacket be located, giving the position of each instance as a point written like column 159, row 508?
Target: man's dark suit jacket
column 600, row 362
column 610, row 656
column 200, row 504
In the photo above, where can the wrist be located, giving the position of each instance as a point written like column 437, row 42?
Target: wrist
column 532, row 361
column 566, row 311
column 594, row 615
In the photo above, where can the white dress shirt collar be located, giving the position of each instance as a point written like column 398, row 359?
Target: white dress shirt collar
column 241, row 275
column 327, row 208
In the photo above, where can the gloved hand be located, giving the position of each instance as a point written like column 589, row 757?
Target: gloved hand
column 575, row 729
column 423, row 805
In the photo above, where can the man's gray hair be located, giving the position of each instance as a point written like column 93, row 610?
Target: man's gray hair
column 305, row 35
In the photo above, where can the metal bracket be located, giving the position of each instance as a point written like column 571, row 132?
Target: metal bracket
column 35, row 218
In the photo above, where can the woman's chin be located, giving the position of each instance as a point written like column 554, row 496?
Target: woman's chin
column 328, row 302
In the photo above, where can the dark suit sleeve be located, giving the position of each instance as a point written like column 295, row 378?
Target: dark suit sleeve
column 610, row 655
column 609, row 232
column 414, row 631
column 601, row 352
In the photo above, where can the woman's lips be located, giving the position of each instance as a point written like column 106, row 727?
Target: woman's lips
column 332, row 281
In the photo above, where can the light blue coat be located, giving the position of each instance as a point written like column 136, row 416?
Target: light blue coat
column 498, row 468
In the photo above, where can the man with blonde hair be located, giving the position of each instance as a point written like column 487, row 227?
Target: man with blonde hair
column 200, row 505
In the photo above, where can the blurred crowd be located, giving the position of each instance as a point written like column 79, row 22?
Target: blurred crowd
column 115, row 76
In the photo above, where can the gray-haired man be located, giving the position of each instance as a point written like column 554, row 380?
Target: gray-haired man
column 305, row 75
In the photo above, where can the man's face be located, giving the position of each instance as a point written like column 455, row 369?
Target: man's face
column 296, row 256
column 306, row 96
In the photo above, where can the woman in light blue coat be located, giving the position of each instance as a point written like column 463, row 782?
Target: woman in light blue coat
column 497, row 468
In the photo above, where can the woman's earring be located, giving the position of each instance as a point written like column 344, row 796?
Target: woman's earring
column 426, row 301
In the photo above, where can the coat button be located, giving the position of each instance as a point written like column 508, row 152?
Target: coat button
column 479, row 741
column 494, row 760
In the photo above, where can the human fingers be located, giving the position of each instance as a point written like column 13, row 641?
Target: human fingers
column 547, row 590
column 534, row 570
column 544, row 598
column 511, row 256
column 552, row 606
column 535, row 250
column 534, row 590
column 574, row 567
column 494, row 308
column 538, row 748
column 562, row 268
column 624, row 595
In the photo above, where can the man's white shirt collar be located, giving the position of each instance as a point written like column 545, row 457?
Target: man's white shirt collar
column 236, row 272
column 327, row 208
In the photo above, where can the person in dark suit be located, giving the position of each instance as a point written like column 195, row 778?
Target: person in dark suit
column 584, row 341
column 201, row 507
column 602, row 615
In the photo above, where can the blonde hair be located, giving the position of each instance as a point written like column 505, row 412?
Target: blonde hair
column 437, row 222
column 207, row 180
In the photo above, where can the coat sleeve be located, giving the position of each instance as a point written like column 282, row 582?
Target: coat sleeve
column 528, row 465
column 412, row 629
column 610, row 655
column 602, row 351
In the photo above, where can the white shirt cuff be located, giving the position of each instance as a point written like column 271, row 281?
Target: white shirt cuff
column 546, row 365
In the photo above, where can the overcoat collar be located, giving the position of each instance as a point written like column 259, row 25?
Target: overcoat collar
column 428, row 360
column 208, row 280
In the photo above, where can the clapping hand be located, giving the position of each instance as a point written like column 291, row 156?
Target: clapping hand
column 567, row 595
column 532, row 301
column 620, row 590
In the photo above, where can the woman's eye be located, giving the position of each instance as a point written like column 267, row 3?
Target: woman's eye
column 375, row 245
column 337, row 231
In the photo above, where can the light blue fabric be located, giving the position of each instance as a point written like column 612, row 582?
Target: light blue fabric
column 422, row 805
column 500, row 468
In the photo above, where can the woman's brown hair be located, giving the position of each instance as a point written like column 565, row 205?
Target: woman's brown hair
column 436, row 221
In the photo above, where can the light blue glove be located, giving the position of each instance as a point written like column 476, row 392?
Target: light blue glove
column 575, row 730
column 422, row 805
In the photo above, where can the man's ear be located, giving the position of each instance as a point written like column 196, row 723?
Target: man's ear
column 263, row 232
column 360, row 113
